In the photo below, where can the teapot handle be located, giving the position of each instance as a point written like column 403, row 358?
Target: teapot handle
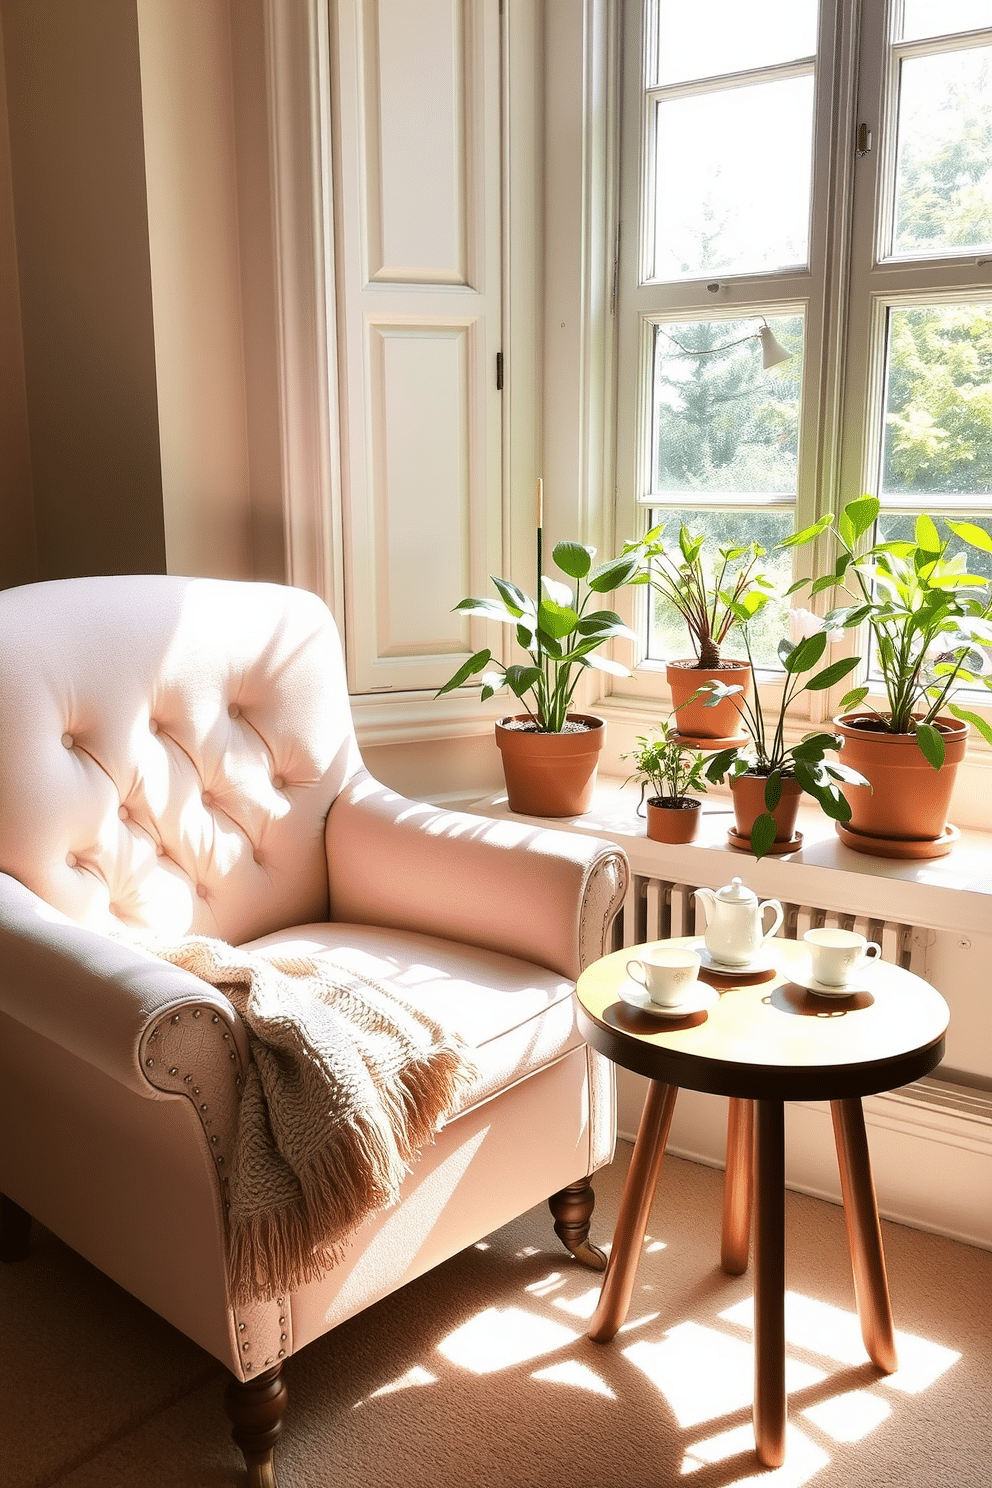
column 779, row 916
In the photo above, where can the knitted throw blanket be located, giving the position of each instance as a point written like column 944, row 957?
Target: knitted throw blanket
column 347, row 1082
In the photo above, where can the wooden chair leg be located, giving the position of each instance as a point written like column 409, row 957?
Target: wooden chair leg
column 256, row 1408
column 864, row 1233
column 572, row 1210
column 769, row 1282
column 15, row 1230
column 738, row 1188
column 635, row 1206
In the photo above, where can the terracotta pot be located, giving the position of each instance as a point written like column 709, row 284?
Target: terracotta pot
column 909, row 800
column 722, row 725
column 673, row 820
column 551, row 774
column 748, row 792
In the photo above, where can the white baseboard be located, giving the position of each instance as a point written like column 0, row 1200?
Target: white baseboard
column 931, row 1150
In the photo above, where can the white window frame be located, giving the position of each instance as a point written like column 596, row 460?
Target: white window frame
column 844, row 338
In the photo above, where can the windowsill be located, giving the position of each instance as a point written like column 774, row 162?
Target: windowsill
column 953, row 892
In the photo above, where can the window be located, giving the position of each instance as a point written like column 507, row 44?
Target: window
column 760, row 187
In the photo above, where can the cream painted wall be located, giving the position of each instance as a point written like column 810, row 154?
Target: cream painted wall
column 187, row 98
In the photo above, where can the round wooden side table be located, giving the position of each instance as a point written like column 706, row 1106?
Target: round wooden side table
column 764, row 1040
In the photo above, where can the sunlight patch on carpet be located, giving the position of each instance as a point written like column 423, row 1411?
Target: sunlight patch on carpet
column 582, row 1306
column 703, row 1373
column 821, row 1328
column 803, row 1459
column 502, row 1336
column 550, row 1283
column 571, row 1372
column 412, row 1378
column 849, row 1417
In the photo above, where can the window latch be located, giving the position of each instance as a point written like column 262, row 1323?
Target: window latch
column 864, row 139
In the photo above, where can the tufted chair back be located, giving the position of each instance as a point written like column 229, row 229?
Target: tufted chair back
column 176, row 745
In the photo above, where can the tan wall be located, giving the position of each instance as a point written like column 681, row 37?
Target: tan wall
column 74, row 109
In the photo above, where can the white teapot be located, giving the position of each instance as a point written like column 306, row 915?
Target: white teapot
column 735, row 929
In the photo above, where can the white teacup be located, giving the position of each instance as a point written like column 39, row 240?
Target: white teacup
column 667, row 973
column 837, row 955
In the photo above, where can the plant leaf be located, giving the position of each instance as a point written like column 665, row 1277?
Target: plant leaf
column 926, row 534
column 773, row 789
column 806, row 654
column 853, row 699
column 973, row 535
column 862, row 514
column 610, row 576
column 573, row 559
column 799, row 539
column 467, row 669
column 975, row 719
column 520, row 679
column 931, row 741
column 833, row 673
column 515, row 600
column 763, row 834
column 557, row 620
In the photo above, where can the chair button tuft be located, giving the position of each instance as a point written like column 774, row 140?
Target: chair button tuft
column 123, row 813
column 68, row 741
column 234, row 711
column 152, row 726
column 201, row 890
column 207, row 798
column 278, row 782
column 71, row 860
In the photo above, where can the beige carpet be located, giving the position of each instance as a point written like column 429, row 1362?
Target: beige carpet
column 480, row 1376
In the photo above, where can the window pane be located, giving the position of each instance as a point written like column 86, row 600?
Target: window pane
column 668, row 637
column 941, row 17
column 726, row 201
column 944, row 163
column 938, row 404
column 721, row 422
column 697, row 41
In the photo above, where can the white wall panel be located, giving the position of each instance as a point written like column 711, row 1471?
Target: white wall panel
column 420, row 406
column 416, row 141
column 416, row 89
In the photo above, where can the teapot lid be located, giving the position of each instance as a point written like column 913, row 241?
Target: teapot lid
column 736, row 893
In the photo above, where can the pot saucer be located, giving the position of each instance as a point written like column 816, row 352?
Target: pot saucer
column 743, row 844
column 696, row 1001
column 764, row 961
column 708, row 746
column 803, row 977
column 898, row 847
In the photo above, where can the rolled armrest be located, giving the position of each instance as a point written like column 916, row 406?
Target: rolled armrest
column 548, row 897
column 96, row 997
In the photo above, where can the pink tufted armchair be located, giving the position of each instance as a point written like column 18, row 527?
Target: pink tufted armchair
column 177, row 757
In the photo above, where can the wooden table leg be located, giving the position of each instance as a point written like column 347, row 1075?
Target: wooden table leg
column 864, row 1233
column 642, row 1178
column 769, row 1282
column 738, row 1188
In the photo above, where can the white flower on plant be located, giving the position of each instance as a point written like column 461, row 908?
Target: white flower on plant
column 803, row 623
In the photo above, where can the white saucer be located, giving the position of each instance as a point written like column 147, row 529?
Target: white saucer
column 764, row 961
column 700, row 997
column 803, row 977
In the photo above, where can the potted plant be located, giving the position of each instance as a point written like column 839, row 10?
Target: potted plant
column 931, row 625
column 712, row 596
column 768, row 777
column 673, row 772
column 550, row 754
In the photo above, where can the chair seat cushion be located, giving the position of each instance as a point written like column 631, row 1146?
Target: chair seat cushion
column 516, row 1017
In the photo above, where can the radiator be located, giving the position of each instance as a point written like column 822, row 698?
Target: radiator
column 655, row 909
